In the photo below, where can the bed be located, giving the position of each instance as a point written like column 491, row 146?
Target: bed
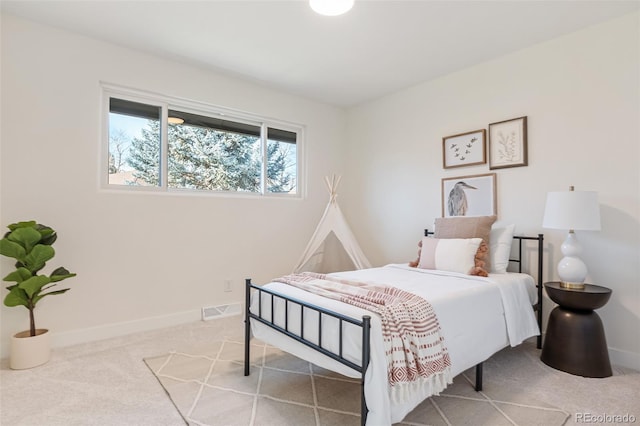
column 478, row 315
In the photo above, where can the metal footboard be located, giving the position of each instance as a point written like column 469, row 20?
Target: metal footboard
column 365, row 324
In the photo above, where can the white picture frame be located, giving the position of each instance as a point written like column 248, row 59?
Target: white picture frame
column 474, row 195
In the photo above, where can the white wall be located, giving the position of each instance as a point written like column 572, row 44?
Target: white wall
column 143, row 260
column 149, row 260
column 582, row 97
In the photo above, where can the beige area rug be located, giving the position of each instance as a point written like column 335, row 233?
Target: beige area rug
column 207, row 386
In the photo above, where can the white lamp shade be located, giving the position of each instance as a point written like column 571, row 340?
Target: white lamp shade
column 572, row 210
column 331, row 7
column 578, row 210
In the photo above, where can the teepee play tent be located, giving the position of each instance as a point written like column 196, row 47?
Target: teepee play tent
column 333, row 247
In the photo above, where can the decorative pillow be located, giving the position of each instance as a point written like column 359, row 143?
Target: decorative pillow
column 500, row 240
column 481, row 259
column 414, row 263
column 467, row 227
column 449, row 254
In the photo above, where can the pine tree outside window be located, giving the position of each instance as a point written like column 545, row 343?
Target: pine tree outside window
column 156, row 143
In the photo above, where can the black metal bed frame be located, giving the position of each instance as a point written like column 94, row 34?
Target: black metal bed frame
column 365, row 323
column 538, row 306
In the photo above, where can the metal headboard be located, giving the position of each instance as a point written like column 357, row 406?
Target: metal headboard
column 518, row 260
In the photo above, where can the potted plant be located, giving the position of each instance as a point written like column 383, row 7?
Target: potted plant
column 30, row 244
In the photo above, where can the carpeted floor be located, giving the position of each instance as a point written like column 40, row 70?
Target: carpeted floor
column 107, row 383
column 208, row 387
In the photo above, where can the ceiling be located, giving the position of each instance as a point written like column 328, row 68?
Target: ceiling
column 377, row 48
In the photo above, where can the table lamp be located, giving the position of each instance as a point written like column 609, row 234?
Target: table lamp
column 572, row 210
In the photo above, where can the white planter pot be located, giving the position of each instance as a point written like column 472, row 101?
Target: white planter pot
column 28, row 351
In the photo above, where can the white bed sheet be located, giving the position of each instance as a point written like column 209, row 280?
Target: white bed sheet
column 478, row 316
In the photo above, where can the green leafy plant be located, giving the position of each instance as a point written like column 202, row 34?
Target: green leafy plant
column 30, row 244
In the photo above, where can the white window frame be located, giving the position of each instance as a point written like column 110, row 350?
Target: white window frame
column 166, row 103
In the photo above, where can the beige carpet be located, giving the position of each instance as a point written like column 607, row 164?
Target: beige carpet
column 208, row 387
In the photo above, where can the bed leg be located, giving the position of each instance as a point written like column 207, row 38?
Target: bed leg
column 479, row 377
column 540, row 285
column 366, row 353
column 247, row 325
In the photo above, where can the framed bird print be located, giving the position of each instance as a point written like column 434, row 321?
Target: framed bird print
column 469, row 195
column 464, row 149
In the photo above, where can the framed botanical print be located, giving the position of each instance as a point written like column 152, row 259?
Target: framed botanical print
column 508, row 143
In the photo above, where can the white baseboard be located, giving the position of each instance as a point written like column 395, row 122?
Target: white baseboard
column 624, row 358
column 85, row 335
column 108, row 331
column 617, row 356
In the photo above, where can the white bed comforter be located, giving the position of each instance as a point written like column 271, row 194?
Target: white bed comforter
column 478, row 316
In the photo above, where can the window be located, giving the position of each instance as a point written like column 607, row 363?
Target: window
column 168, row 145
column 281, row 160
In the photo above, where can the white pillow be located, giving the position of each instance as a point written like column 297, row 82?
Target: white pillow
column 500, row 239
column 449, row 254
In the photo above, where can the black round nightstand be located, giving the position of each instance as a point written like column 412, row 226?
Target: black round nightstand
column 575, row 340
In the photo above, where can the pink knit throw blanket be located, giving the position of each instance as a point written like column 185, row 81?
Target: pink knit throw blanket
column 413, row 343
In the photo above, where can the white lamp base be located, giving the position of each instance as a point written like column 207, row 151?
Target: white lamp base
column 571, row 269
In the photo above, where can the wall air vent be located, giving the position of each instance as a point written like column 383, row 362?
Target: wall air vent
column 212, row 312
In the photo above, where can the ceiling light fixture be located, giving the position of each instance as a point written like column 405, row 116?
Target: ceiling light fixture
column 331, row 7
column 175, row 120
